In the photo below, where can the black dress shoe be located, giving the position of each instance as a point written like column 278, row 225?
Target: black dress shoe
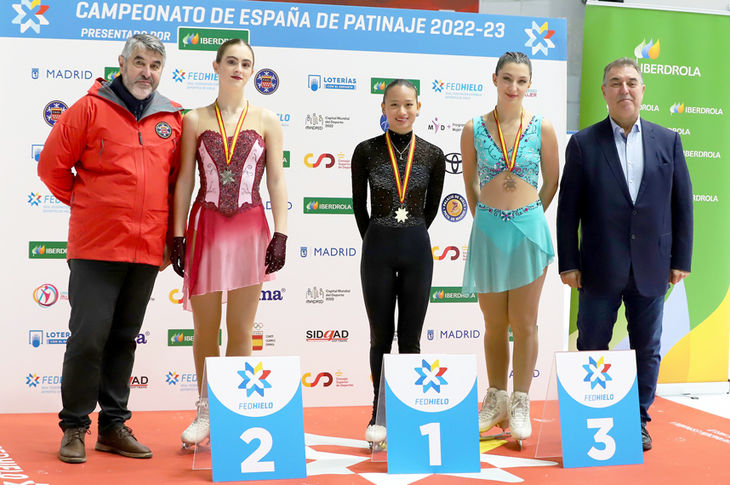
column 645, row 438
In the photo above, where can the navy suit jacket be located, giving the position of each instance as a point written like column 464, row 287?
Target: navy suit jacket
column 651, row 236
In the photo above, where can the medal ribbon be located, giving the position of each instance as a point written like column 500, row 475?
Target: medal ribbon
column 401, row 186
column 509, row 161
column 222, row 128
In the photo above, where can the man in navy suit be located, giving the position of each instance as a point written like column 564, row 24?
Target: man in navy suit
column 626, row 189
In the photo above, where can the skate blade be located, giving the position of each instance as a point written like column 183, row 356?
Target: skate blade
column 192, row 447
column 499, row 436
column 378, row 446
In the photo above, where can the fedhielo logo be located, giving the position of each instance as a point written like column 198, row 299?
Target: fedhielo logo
column 30, row 15
column 326, row 377
column 647, row 51
column 453, row 163
column 453, row 207
column 35, row 151
column 172, row 378
column 178, row 75
column 53, row 111
column 266, row 81
column 437, row 85
column 32, row 379
column 597, row 372
column 254, row 379
column 34, row 199
column 45, row 295
column 457, row 89
column 539, row 38
column 430, row 376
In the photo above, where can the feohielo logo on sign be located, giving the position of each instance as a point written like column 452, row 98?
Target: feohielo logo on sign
column 47, row 249
column 378, row 84
column 30, row 15
column 327, row 205
column 539, row 38
column 451, row 294
column 200, row 39
column 254, row 379
column 430, row 376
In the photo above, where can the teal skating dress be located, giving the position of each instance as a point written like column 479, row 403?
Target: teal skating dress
column 507, row 248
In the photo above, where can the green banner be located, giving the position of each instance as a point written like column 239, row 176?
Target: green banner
column 686, row 90
column 327, row 205
column 200, row 39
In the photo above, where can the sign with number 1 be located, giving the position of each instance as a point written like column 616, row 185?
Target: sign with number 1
column 598, row 397
column 256, row 418
column 431, row 413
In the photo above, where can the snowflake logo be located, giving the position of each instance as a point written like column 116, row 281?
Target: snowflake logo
column 172, row 378
column 31, row 380
column 30, row 15
column 437, row 85
column 597, row 372
column 178, row 76
column 34, row 199
column 254, row 379
column 539, row 38
column 430, row 376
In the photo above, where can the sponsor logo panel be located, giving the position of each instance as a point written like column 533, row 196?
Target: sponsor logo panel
column 378, row 84
column 200, row 39
column 327, row 205
column 47, row 249
column 454, row 207
column 450, row 294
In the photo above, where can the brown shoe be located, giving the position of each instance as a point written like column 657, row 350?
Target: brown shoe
column 73, row 445
column 122, row 441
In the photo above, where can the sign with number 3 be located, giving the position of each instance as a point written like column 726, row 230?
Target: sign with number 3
column 599, row 408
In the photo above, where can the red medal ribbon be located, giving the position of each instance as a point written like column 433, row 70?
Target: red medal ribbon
column 509, row 161
column 222, row 128
column 401, row 186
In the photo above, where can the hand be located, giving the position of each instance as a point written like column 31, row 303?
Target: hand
column 572, row 278
column 177, row 255
column 275, row 253
column 677, row 275
column 165, row 258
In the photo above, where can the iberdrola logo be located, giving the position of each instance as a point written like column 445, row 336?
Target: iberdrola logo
column 430, row 375
column 30, row 15
column 597, row 372
column 191, row 39
column 254, row 379
column 647, row 51
column 313, row 206
column 676, row 108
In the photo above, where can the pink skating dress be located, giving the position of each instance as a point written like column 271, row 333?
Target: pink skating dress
column 227, row 233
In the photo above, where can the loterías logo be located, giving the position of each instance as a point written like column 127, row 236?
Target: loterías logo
column 30, row 15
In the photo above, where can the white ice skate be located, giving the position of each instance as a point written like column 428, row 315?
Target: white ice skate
column 375, row 434
column 494, row 412
column 519, row 416
column 199, row 429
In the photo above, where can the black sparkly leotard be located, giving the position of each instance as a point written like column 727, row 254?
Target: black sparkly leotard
column 397, row 264
column 371, row 163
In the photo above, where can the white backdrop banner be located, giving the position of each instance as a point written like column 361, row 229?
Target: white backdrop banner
column 322, row 69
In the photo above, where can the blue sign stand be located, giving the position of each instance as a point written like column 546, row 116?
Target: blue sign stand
column 431, row 410
column 599, row 408
column 256, row 418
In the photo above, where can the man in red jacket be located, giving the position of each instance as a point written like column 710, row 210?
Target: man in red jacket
column 121, row 139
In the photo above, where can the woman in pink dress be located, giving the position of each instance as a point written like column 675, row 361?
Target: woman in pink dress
column 225, row 252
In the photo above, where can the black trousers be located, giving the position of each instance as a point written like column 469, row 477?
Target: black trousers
column 108, row 303
column 396, row 265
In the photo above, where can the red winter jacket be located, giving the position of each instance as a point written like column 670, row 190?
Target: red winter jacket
column 125, row 171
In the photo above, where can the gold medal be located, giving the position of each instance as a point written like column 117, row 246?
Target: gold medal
column 222, row 128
